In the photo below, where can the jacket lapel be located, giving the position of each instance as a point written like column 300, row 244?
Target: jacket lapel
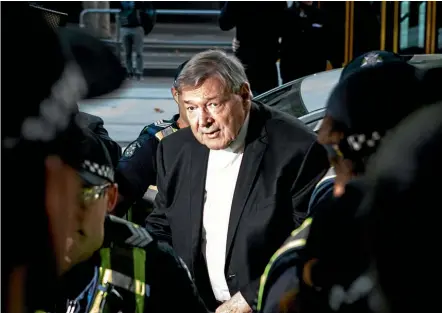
column 198, row 169
column 256, row 143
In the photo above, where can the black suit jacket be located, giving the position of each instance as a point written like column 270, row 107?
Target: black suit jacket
column 281, row 165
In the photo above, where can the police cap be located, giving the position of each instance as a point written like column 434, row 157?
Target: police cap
column 96, row 166
column 178, row 71
column 369, row 59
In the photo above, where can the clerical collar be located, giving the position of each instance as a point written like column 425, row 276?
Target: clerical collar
column 238, row 143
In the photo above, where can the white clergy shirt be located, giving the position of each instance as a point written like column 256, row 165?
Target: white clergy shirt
column 222, row 173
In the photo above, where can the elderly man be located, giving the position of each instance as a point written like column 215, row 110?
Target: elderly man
column 233, row 185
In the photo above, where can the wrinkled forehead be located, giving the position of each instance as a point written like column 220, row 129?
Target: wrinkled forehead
column 211, row 89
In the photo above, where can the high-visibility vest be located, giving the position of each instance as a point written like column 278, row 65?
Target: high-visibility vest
column 296, row 241
column 122, row 268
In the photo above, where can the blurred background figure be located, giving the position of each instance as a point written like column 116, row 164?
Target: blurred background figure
column 137, row 19
column 256, row 42
column 404, row 196
column 97, row 24
column 304, row 41
column 40, row 144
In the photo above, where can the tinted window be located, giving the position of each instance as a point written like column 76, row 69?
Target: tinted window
column 286, row 98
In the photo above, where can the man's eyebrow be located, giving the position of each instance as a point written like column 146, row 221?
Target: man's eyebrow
column 206, row 99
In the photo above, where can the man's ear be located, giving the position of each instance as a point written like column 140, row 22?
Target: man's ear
column 175, row 94
column 112, row 195
column 245, row 93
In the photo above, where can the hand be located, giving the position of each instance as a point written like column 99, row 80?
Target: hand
column 235, row 45
column 237, row 304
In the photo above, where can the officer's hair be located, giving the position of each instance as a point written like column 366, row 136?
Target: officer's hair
column 402, row 202
column 212, row 63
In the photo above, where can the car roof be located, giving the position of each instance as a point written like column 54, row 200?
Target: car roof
column 316, row 88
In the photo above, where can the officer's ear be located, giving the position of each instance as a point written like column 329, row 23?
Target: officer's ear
column 112, row 197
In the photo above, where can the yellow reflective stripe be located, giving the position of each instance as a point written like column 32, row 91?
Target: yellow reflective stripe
column 105, row 255
column 129, row 215
column 98, row 301
column 159, row 136
column 120, row 280
column 290, row 245
column 140, row 277
column 105, row 277
column 304, row 225
column 152, row 187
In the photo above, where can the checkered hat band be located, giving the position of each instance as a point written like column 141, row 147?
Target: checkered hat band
column 100, row 170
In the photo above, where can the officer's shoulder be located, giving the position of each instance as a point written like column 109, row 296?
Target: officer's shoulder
column 124, row 233
column 178, row 139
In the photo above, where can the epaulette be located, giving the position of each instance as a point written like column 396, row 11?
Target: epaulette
column 119, row 231
column 165, row 132
column 154, row 128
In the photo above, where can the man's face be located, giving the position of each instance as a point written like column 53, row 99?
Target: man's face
column 216, row 116
column 93, row 205
column 62, row 188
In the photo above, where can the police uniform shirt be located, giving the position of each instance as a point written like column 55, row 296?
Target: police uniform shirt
column 136, row 170
column 166, row 276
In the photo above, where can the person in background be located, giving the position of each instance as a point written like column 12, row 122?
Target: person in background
column 400, row 208
column 304, row 41
column 137, row 19
column 136, row 172
column 258, row 28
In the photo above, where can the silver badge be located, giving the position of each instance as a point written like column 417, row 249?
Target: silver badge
column 371, row 59
column 130, row 150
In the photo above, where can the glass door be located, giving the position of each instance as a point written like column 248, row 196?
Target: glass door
column 408, row 26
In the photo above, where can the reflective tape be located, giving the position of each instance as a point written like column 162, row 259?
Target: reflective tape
column 297, row 239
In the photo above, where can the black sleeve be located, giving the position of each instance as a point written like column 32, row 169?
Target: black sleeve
column 313, row 169
column 227, row 18
column 136, row 170
column 157, row 223
column 175, row 290
column 282, row 292
column 112, row 146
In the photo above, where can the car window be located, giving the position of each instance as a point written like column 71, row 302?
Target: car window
column 286, row 98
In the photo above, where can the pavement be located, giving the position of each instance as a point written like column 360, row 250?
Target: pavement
column 138, row 103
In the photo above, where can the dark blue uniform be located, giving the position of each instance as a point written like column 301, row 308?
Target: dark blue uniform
column 136, row 170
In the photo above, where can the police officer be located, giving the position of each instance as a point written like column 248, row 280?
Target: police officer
column 40, row 144
column 356, row 120
column 116, row 266
column 402, row 205
column 136, row 171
